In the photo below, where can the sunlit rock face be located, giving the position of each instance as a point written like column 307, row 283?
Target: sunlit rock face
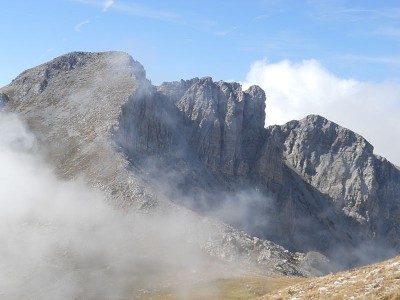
column 341, row 165
column 309, row 185
column 322, row 186
column 96, row 116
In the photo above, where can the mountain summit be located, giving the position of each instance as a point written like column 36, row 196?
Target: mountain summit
column 308, row 185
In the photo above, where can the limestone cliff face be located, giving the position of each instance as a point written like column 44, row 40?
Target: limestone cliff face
column 226, row 123
column 96, row 115
column 337, row 161
column 327, row 186
column 341, row 164
column 308, row 185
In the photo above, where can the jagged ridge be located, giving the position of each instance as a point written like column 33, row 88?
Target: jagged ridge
column 83, row 107
column 309, row 184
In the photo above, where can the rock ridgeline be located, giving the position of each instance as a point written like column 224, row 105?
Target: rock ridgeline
column 307, row 185
column 83, row 107
column 318, row 186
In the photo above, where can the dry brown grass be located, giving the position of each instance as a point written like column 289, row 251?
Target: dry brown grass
column 377, row 281
column 242, row 288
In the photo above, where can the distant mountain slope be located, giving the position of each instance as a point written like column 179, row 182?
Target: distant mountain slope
column 309, row 185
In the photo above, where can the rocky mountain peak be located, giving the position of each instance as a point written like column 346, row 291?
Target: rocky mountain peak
column 227, row 122
column 308, row 184
column 327, row 135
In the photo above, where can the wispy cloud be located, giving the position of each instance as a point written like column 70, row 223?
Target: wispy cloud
column 261, row 17
column 145, row 11
column 150, row 11
column 389, row 60
column 107, row 4
column 134, row 9
column 338, row 10
column 44, row 54
column 79, row 25
column 222, row 33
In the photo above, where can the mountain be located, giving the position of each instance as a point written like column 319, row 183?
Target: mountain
column 308, row 185
column 77, row 107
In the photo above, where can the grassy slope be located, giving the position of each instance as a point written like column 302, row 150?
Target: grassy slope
column 377, row 281
column 241, row 288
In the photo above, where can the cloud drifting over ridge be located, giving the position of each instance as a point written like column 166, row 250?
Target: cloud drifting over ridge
column 61, row 240
column 295, row 90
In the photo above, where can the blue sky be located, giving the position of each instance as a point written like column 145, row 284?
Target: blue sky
column 184, row 39
column 337, row 58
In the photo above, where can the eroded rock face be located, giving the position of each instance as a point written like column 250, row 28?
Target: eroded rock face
column 337, row 161
column 309, row 185
column 326, row 185
column 340, row 164
column 70, row 104
column 227, row 124
column 96, row 115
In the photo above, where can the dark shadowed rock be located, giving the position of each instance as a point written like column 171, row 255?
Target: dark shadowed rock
column 3, row 100
column 226, row 123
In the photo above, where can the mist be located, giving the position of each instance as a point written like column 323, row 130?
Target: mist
column 62, row 240
column 295, row 90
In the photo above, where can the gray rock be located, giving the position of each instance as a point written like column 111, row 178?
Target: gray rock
column 226, row 123
column 73, row 112
column 96, row 114
column 3, row 100
column 329, row 191
column 309, row 185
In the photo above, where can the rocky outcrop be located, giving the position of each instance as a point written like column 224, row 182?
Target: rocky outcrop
column 70, row 104
column 341, row 165
column 227, row 124
column 327, row 187
column 96, row 115
column 309, row 185
column 337, row 161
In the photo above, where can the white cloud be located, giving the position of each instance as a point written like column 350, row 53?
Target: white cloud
column 107, row 4
column 295, row 90
column 79, row 25
column 61, row 240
